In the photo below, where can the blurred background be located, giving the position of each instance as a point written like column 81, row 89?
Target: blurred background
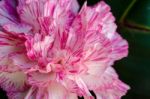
column 133, row 19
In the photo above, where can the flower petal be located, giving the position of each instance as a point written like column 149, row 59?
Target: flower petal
column 91, row 81
column 107, row 85
column 88, row 26
column 64, row 13
column 21, row 61
column 81, row 84
column 72, row 96
column 31, row 93
column 29, row 12
column 7, row 47
column 11, row 77
column 98, row 18
column 32, row 11
column 96, row 67
column 9, row 44
column 96, row 26
column 119, row 47
column 7, row 12
column 15, row 81
column 16, row 94
column 110, row 87
column 38, row 46
column 40, row 79
column 57, row 91
column 53, row 91
column 17, row 28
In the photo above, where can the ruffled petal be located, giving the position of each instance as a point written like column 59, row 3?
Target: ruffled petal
column 53, row 91
column 106, row 85
column 83, row 87
column 17, row 28
column 12, row 78
column 95, row 50
column 7, row 12
column 96, row 53
column 9, row 45
column 38, row 46
column 110, row 87
column 72, row 96
column 40, row 79
column 99, row 18
column 30, row 12
column 88, row 26
column 96, row 67
column 15, row 81
column 16, row 94
column 64, row 14
column 91, row 81
column 21, row 61
column 35, row 12
column 9, row 18
column 56, row 91
column 94, row 30
column 31, row 93
column 119, row 47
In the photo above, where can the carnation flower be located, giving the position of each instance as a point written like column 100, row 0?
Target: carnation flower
column 51, row 50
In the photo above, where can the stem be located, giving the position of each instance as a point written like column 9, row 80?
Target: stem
column 127, row 11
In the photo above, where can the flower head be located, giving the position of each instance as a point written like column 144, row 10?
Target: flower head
column 51, row 50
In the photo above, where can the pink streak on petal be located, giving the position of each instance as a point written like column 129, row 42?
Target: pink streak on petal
column 16, row 94
column 17, row 28
column 111, row 87
column 7, row 12
column 13, row 81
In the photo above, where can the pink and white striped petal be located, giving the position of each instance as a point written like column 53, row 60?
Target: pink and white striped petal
column 7, row 12
column 33, row 10
column 9, row 46
column 17, row 94
column 53, row 91
column 40, row 79
column 110, row 86
column 13, row 81
column 57, row 91
column 17, row 28
column 119, row 47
